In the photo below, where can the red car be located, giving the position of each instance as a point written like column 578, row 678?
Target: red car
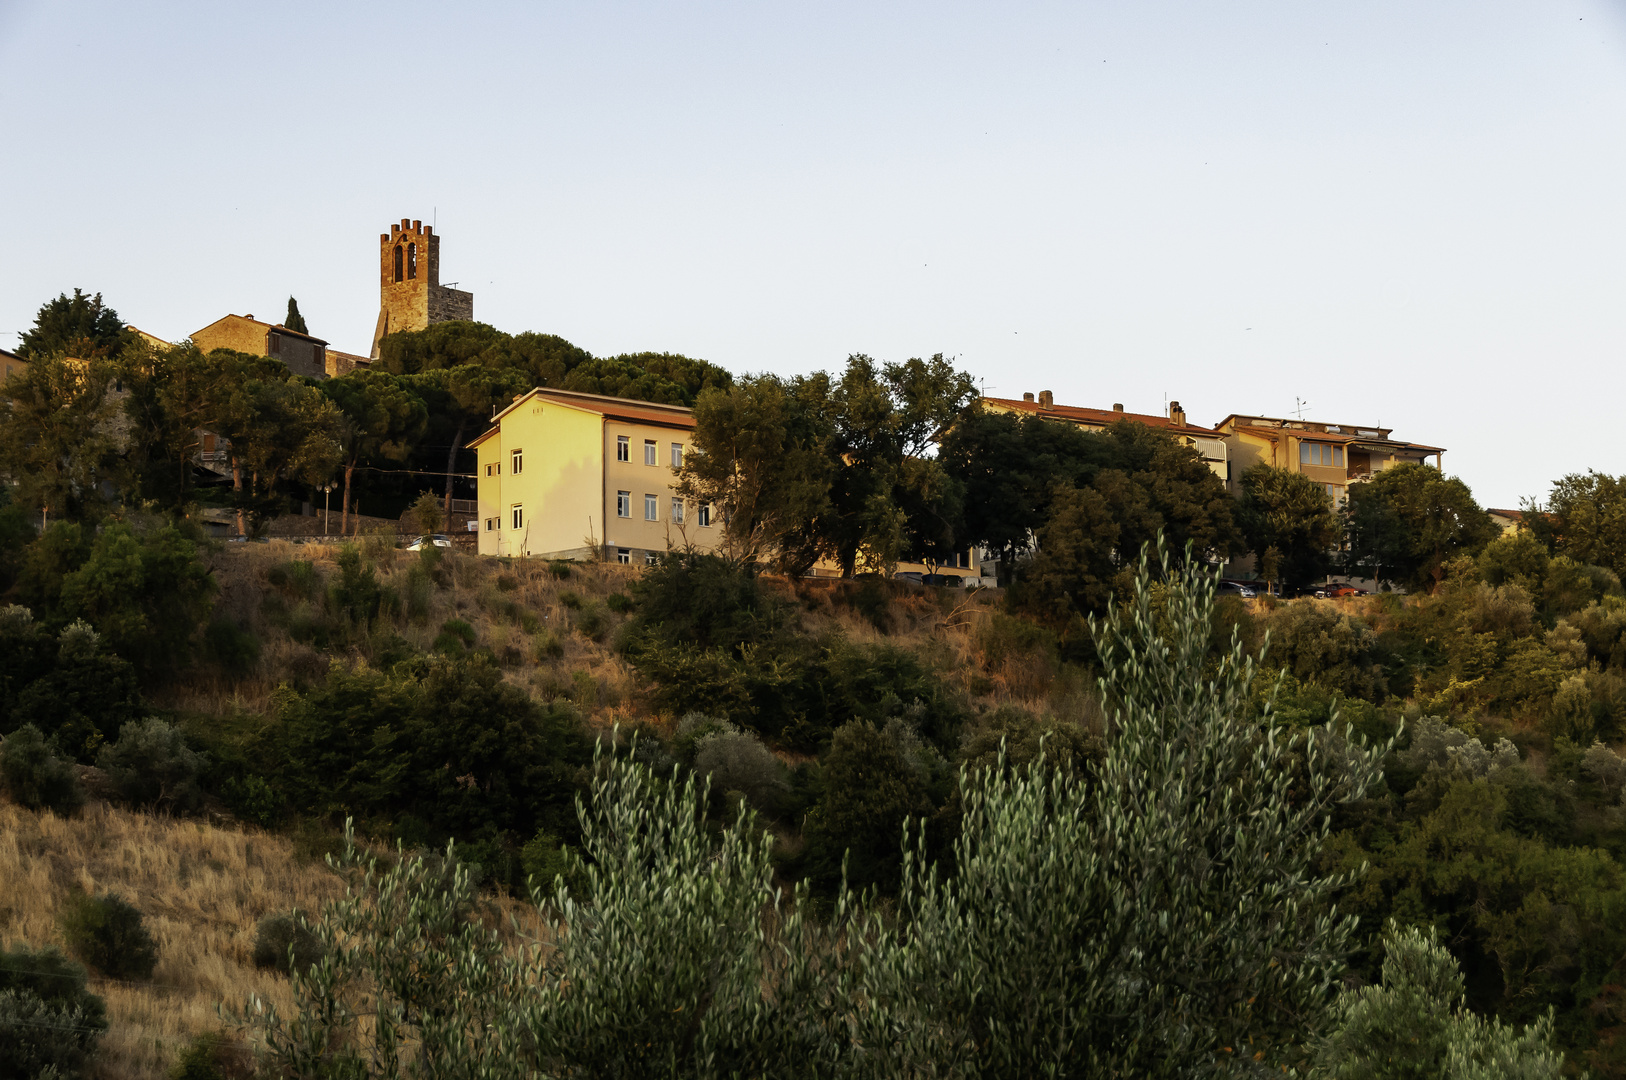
column 1344, row 590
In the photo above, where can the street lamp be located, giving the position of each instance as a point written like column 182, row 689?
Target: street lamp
column 326, row 488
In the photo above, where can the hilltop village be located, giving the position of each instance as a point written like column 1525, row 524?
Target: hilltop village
column 484, row 703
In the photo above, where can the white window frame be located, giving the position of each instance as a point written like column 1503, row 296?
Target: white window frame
column 651, row 557
column 623, row 504
column 623, row 556
column 703, row 515
column 677, row 455
column 649, row 452
column 677, row 511
column 652, row 508
column 516, row 461
column 516, row 514
column 623, row 448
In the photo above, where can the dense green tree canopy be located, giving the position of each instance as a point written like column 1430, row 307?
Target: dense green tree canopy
column 1584, row 517
column 1407, row 522
column 79, row 326
column 1290, row 525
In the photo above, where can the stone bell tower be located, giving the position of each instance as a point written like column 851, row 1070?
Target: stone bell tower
column 410, row 294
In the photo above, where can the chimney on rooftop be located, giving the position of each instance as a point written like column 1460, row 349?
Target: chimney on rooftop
column 1117, row 406
column 1177, row 415
column 1028, row 396
column 1046, row 399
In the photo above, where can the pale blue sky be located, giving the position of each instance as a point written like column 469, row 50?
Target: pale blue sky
column 1407, row 213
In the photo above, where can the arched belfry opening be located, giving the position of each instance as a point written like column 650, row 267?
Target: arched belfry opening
column 411, row 296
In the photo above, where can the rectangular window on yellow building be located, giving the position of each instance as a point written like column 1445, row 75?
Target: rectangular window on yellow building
column 516, row 462
column 677, row 455
column 623, row 504
column 652, row 508
column 649, row 451
column 518, row 517
column 623, row 448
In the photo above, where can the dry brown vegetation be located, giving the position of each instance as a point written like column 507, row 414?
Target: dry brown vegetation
column 200, row 890
column 554, row 659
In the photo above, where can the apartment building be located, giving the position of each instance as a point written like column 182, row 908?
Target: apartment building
column 1211, row 445
column 570, row 475
column 11, row 364
column 1333, row 455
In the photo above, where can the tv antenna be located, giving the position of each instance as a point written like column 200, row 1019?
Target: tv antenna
column 1299, row 405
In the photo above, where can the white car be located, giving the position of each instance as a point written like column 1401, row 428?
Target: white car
column 438, row 540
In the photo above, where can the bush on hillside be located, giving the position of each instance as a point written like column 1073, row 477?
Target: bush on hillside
column 213, row 1055
column 283, row 941
column 444, row 741
column 35, row 777
column 736, row 761
column 49, row 1022
column 66, row 684
column 107, row 933
column 151, row 765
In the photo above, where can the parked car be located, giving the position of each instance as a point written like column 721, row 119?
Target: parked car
column 953, row 581
column 908, row 575
column 1236, row 588
column 438, row 540
column 1345, row 590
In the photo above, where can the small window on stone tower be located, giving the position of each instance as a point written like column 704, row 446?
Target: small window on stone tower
column 397, row 262
column 412, row 260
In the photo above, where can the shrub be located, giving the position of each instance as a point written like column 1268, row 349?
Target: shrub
column 356, row 593
column 49, row 1022
column 297, row 578
column 284, row 936
column 151, row 765
column 419, row 591
column 426, row 515
column 106, row 932
column 592, row 623
column 35, row 777
column 230, row 647
column 213, row 1056
column 620, row 603
column 570, row 599
column 548, row 646
column 455, row 637
column 545, row 860
column 559, row 569
column 252, row 799
column 736, row 761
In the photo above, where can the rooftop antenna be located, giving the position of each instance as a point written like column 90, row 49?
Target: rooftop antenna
column 1299, row 406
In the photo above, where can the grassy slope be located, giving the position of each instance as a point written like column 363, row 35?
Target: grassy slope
column 201, row 888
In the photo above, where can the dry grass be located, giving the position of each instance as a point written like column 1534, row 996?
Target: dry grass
column 939, row 625
column 200, row 890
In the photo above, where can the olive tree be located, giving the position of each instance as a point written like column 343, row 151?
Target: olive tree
column 1161, row 915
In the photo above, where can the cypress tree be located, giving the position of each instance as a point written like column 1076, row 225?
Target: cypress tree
column 295, row 321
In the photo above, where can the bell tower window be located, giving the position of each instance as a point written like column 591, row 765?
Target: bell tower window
column 412, row 260
column 398, row 262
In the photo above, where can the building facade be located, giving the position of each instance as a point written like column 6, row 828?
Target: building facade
column 1210, row 444
column 568, row 475
column 411, row 296
column 1333, row 455
column 303, row 354
column 11, row 364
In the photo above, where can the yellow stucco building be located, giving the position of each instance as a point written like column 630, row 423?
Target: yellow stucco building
column 1333, row 455
column 11, row 364
column 569, row 475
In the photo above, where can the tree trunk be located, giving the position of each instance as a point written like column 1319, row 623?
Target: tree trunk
column 237, row 493
column 451, row 464
column 344, row 513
